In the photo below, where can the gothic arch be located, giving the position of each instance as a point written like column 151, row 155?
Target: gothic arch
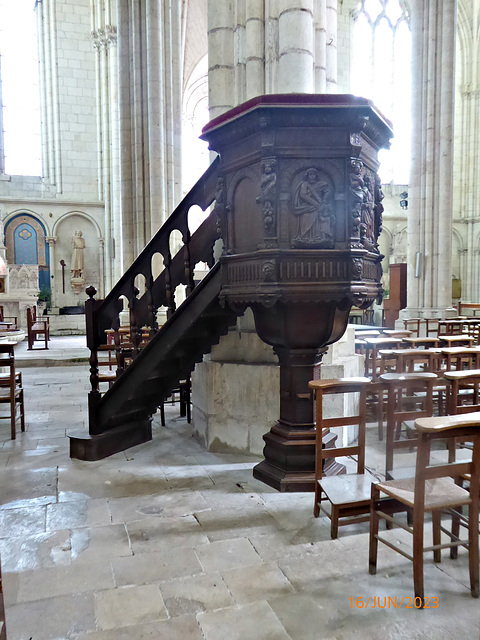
column 82, row 214
column 26, row 243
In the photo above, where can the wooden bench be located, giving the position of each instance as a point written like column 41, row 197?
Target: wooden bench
column 37, row 329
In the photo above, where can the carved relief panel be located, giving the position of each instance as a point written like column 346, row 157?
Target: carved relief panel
column 312, row 199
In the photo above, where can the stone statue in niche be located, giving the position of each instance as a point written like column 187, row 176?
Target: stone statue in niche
column 78, row 259
column 313, row 209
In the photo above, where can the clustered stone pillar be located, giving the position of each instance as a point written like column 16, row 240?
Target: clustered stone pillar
column 104, row 37
column 259, row 47
column 431, row 185
column 150, row 113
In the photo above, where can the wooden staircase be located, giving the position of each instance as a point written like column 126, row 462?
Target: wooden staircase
column 121, row 417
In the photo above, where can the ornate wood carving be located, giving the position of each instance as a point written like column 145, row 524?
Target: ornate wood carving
column 312, row 245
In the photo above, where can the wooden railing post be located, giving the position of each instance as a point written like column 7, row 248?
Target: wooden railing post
column 93, row 342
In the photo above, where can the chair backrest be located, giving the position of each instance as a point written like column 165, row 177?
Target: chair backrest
column 342, row 386
column 410, row 396
column 463, row 380
column 450, row 429
column 413, row 324
column 461, row 358
column 31, row 316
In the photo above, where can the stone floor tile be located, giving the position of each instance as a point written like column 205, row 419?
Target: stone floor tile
column 227, row 554
column 155, row 534
column 62, row 580
column 18, row 484
column 25, row 553
column 222, row 524
column 303, row 617
column 169, row 504
column 204, row 592
column 127, row 606
column 97, row 544
column 51, row 619
column 257, row 582
column 255, row 621
column 22, row 521
column 274, row 546
column 147, row 568
column 183, row 628
column 115, row 478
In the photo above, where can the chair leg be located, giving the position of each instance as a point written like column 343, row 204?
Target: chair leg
column 12, row 418
column 418, row 523
column 334, row 523
column 373, row 546
column 473, row 555
column 455, row 532
column 162, row 413
column 22, row 412
column 316, row 505
column 436, row 521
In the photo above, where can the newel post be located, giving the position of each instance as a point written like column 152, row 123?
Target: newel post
column 93, row 342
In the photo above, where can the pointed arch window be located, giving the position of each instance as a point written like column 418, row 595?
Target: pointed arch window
column 381, row 71
column 20, row 132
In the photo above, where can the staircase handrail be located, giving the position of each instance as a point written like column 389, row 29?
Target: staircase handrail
column 178, row 269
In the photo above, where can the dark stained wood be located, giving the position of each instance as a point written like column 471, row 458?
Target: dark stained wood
column 298, row 206
column 433, row 490
column 300, row 213
column 38, row 329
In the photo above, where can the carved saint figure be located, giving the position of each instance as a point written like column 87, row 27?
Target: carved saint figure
column 368, row 230
column 312, row 206
column 268, row 179
column 78, row 259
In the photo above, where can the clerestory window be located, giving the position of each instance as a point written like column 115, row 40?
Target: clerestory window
column 381, row 71
column 20, row 131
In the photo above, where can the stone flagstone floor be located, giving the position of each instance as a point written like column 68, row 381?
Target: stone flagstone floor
column 168, row 541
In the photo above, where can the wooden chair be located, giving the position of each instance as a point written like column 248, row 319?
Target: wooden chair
column 463, row 392
column 432, row 490
column 461, row 358
column 455, row 340
column 431, row 326
column 372, row 347
column 11, row 389
column 3, row 319
column 348, row 494
column 181, row 394
column 37, row 327
column 423, row 342
column 410, row 396
column 413, row 325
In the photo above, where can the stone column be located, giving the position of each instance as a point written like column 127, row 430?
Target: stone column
column 255, row 48
column 221, row 65
column 296, row 47
column 104, row 36
column 51, row 240
column 101, row 267
column 258, row 47
column 431, row 187
column 331, row 46
column 149, row 163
